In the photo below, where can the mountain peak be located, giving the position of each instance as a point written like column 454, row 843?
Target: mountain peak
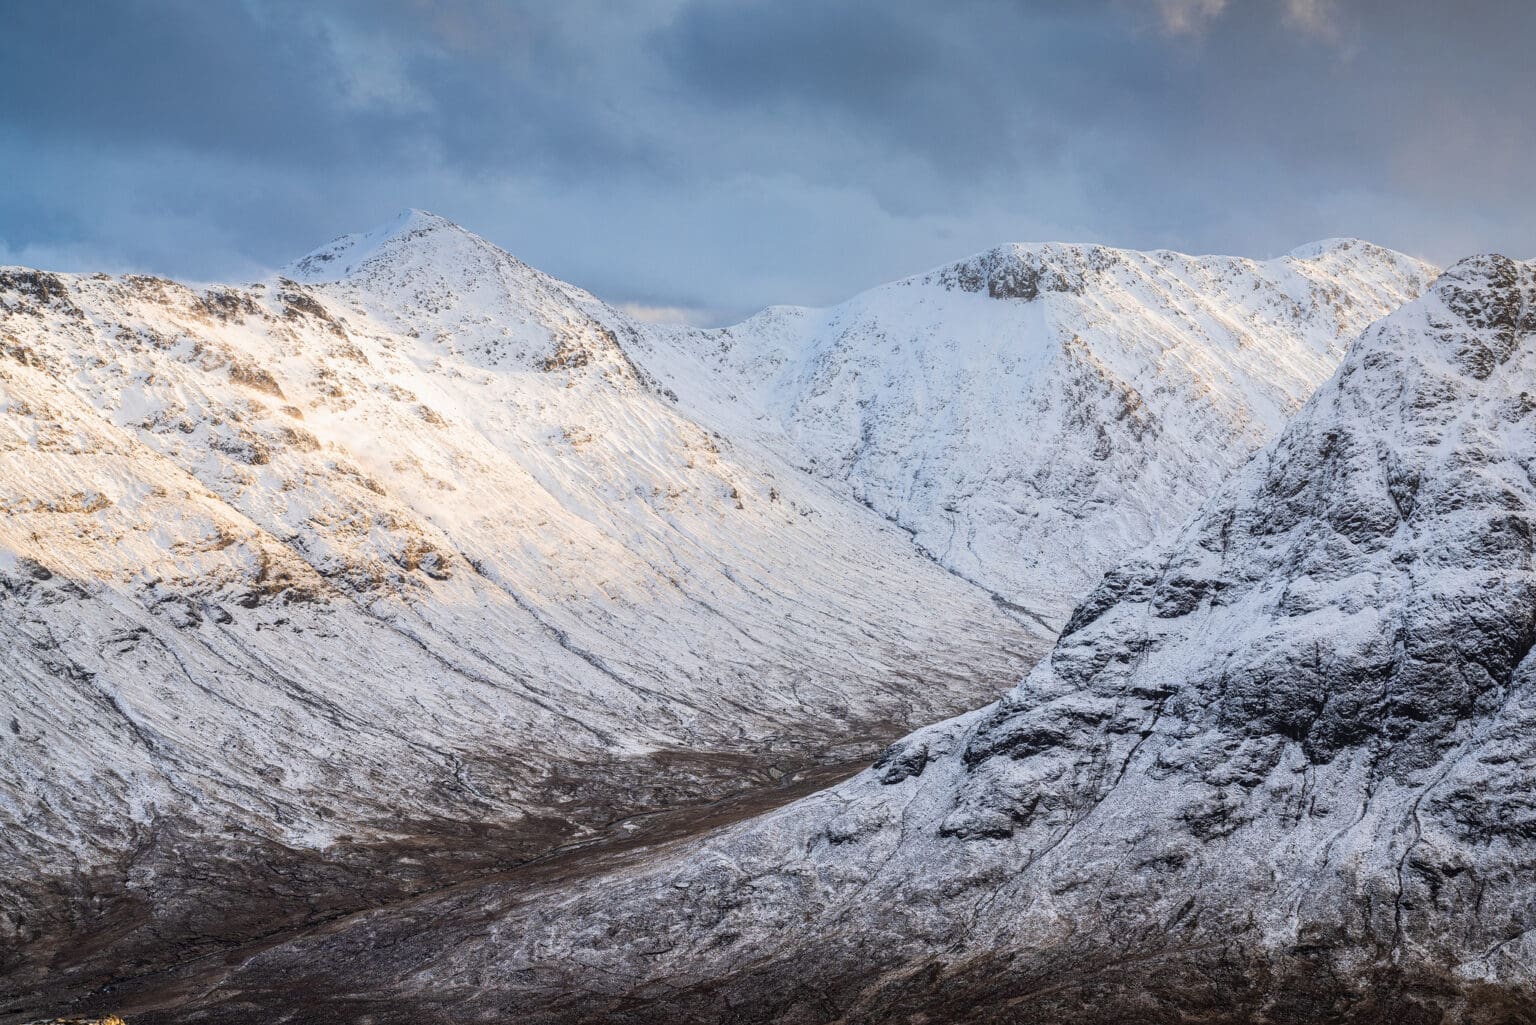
column 415, row 234
column 1324, row 246
column 423, row 273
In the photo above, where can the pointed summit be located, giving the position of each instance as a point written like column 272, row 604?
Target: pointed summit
column 428, row 277
column 430, row 274
column 350, row 256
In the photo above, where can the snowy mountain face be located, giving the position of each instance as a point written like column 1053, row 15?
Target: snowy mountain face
column 1280, row 770
column 388, row 572
column 1034, row 414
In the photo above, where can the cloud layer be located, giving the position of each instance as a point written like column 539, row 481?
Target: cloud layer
column 714, row 156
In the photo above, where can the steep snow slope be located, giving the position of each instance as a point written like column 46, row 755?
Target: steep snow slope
column 1035, row 413
column 315, row 593
column 1279, row 771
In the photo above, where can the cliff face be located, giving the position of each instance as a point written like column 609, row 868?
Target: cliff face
column 1280, row 770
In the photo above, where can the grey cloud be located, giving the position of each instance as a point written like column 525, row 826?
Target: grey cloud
column 725, row 154
column 179, row 72
column 1184, row 17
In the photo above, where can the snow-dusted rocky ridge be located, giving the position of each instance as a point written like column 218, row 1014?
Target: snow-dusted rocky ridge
column 389, row 571
column 1035, row 413
column 1279, row 771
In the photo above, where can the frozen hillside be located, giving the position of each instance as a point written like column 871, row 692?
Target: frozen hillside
column 1035, row 413
column 390, row 571
column 1279, row 770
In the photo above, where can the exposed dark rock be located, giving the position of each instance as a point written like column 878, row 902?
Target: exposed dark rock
column 1018, row 272
column 298, row 302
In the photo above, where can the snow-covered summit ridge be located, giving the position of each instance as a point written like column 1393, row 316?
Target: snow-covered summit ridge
column 1033, row 413
column 428, row 277
column 424, row 261
column 350, row 254
column 1024, row 270
column 1324, row 246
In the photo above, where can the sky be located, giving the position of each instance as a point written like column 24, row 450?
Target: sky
column 700, row 159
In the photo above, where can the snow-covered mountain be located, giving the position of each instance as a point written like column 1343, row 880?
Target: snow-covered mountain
column 1035, row 413
column 413, row 563
column 390, row 570
column 1280, row 770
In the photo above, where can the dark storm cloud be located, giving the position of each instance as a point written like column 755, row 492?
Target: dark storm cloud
column 199, row 75
column 723, row 154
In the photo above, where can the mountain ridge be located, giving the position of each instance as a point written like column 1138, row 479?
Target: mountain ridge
column 1030, row 414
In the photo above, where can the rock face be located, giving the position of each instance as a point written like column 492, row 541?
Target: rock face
column 1034, row 414
column 1282, row 770
column 389, row 571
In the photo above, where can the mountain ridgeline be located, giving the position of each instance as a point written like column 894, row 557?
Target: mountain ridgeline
column 1034, row 413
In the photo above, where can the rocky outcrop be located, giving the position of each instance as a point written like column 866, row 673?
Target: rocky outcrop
column 1023, row 272
column 1279, row 770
